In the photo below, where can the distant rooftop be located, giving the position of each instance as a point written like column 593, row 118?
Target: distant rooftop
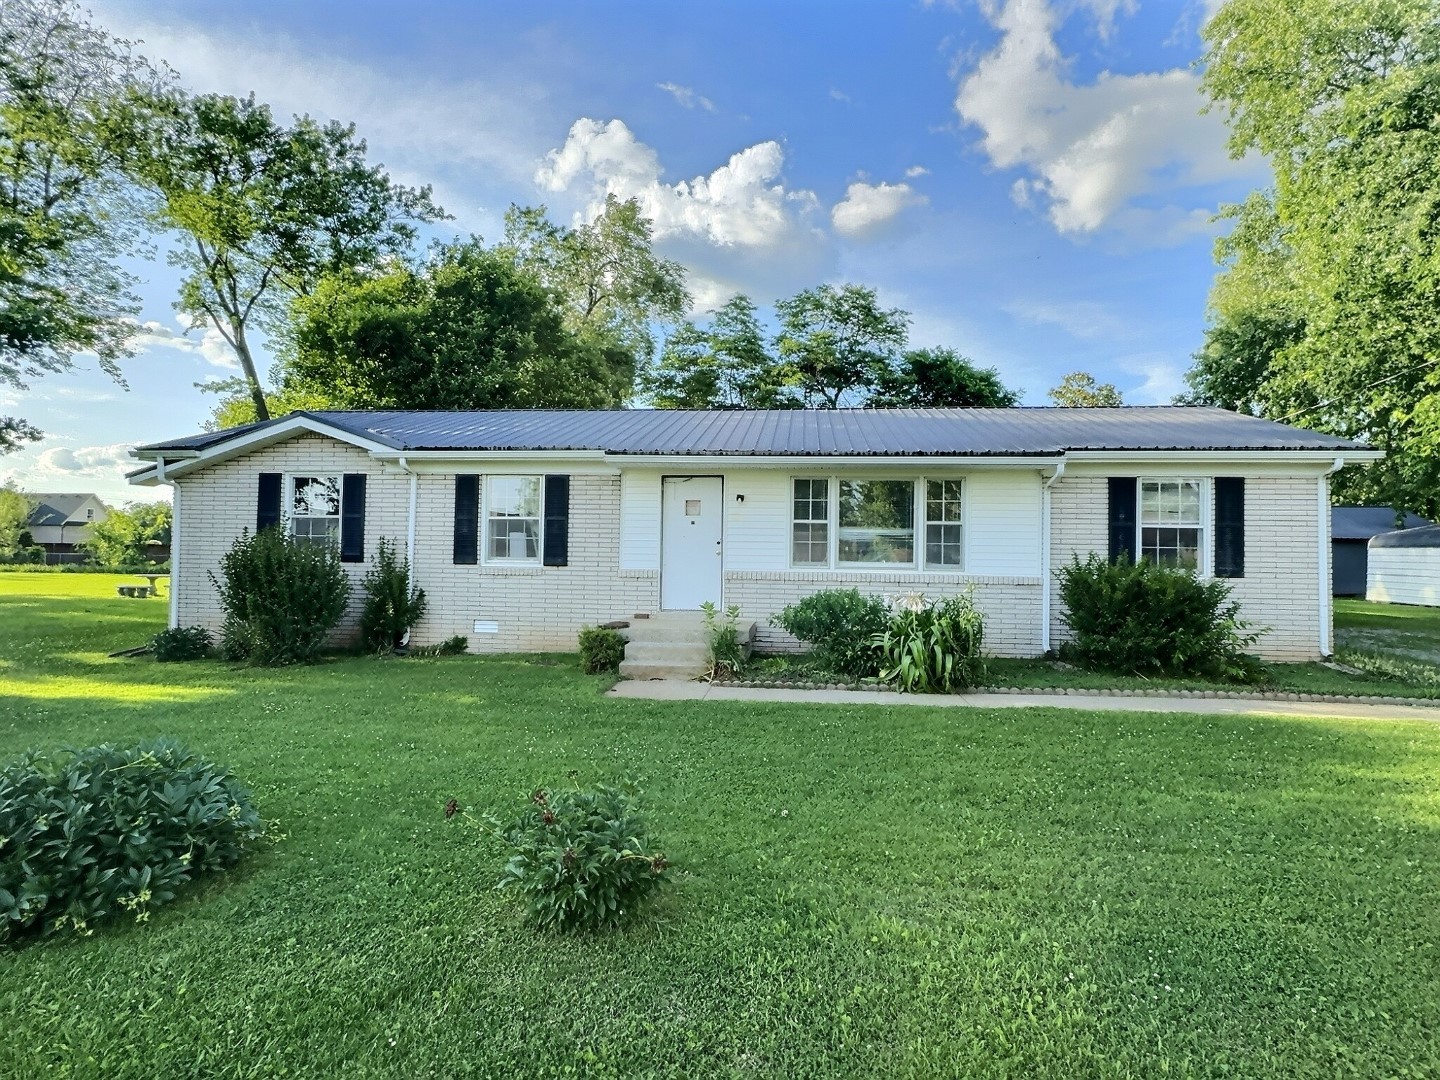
column 811, row 432
column 1363, row 522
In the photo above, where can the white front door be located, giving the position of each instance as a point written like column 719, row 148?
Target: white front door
column 690, row 562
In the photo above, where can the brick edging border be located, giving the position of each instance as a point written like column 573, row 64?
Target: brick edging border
column 1057, row 691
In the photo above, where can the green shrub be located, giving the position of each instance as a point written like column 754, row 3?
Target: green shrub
column 933, row 648
column 601, row 650
column 451, row 646
column 841, row 625
column 1146, row 619
column 281, row 597
column 85, row 834
column 722, row 635
column 583, row 860
column 182, row 643
column 392, row 605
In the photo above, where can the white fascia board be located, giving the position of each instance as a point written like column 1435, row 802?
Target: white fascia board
column 188, row 461
column 1320, row 460
column 829, row 463
column 586, row 462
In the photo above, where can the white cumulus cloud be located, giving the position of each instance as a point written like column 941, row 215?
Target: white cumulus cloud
column 868, row 208
column 211, row 345
column 742, row 203
column 1090, row 150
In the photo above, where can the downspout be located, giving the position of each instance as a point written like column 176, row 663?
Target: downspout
column 160, row 477
column 1045, row 542
column 410, row 521
column 1322, row 551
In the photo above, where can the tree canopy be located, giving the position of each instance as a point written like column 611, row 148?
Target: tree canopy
column 1324, row 310
column 122, row 536
column 838, row 343
column 465, row 329
column 1081, row 390
column 941, row 379
column 66, row 214
column 264, row 211
column 726, row 365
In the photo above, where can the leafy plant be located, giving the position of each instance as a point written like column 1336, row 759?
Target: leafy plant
column 841, row 625
column 451, row 646
column 722, row 634
column 392, row 605
column 281, row 597
column 583, row 860
column 182, row 643
column 601, row 650
column 1144, row 618
column 933, row 648
column 85, row 834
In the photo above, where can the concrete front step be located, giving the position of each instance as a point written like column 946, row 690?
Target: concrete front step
column 671, row 645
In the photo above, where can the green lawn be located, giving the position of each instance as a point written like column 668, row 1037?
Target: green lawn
column 1397, row 629
column 862, row 891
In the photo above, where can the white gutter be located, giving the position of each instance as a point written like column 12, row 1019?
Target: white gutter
column 1322, row 551
column 1045, row 540
column 410, row 521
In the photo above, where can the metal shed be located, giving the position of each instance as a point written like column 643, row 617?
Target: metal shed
column 1405, row 567
column 1351, row 528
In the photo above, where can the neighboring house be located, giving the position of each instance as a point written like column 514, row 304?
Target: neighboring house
column 524, row 526
column 1351, row 528
column 1405, row 567
column 59, row 522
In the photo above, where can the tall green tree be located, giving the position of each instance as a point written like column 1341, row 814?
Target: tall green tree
column 941, row 379
column 122, row 536
column 263, row 211
column 66, row 213
column 725, row 365
column 15, row 508
column 466, row 329
column 838, row 344
column 1080, row 390
column 1324, row 312
column 613, row 286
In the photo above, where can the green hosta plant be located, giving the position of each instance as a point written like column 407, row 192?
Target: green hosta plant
column 933, row 648
column 582, row 859
column 86, row 834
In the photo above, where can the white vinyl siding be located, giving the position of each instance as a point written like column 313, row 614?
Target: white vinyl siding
column 640, row 519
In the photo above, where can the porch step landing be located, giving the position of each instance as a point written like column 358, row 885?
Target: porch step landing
column 670, row 645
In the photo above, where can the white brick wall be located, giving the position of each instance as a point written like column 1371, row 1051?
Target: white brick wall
column 1280, row 589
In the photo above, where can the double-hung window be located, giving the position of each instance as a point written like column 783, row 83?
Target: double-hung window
column 512, row 519
column 315, row 509
column 810, row 523
column 944, row 525
column 1172, row 522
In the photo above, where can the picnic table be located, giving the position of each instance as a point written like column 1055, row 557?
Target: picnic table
column 141, row 591
column 152, row 579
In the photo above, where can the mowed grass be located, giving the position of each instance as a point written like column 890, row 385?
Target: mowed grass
column 860, row 891
column 1401, row 630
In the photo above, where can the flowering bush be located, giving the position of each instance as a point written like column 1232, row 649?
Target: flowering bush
column 583, row 860
column 88, row 833
column 932, row 647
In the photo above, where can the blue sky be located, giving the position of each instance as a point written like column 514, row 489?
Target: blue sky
column 1033, row 179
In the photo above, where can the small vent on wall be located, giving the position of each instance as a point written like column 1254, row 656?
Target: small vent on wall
column 485, row 626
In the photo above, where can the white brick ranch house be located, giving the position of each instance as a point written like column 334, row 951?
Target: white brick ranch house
column 524, row 526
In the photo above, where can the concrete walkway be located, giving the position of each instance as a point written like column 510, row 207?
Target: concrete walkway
column 700, row 691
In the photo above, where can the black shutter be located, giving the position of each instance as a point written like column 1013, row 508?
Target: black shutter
column 467, row 519
column 557, row 520
column 1230, row 526
column 352, row 517
column 267, row 503
column 1122, row 518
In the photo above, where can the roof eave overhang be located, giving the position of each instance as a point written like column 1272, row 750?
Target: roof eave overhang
column 1320, row 457
column 179, row 462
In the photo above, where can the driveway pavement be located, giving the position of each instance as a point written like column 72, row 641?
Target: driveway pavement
column 658, row 690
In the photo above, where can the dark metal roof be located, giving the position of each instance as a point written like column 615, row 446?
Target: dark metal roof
column 1426, row 537
column 815, row 432
column 55, row 509
column 1363, row 522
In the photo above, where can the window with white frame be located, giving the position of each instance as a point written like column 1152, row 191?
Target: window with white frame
column 315, row 509
column 1172, row 522
column 876, row 523
column 512, row 519
column 810, row 522
column 944, row 525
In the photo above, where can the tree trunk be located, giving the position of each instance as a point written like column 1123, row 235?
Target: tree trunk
column 247, row 365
